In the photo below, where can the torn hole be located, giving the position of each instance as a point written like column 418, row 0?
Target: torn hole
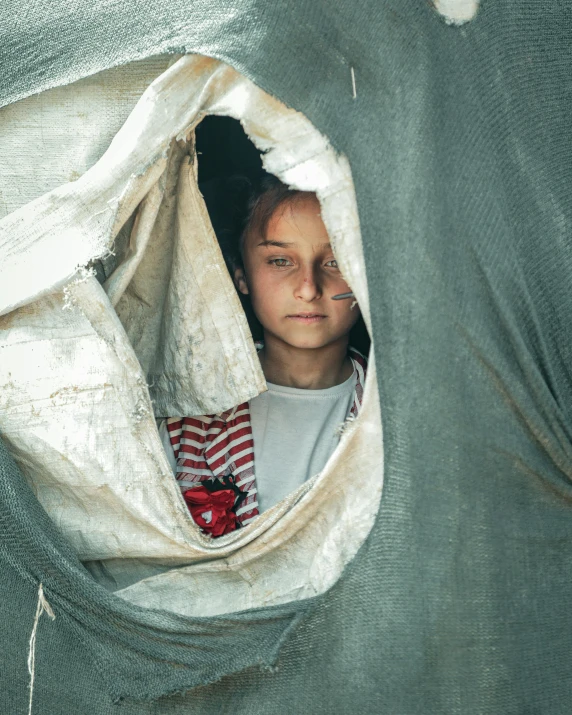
column 101, row 472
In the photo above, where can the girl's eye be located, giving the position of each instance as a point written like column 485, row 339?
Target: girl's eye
column 279, row 262
column 332, row 264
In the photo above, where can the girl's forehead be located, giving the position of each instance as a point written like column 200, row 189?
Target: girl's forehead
column 299, row 222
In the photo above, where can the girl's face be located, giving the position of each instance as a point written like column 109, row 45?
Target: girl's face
column 291, row 275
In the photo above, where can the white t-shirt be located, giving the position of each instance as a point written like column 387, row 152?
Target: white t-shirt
column 294, row 431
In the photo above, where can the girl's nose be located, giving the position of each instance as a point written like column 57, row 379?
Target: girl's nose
column 308, row 287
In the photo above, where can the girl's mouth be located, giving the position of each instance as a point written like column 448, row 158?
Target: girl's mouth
column 307, row 318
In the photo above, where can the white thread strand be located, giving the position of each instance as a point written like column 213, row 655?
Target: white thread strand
column 354, row 91
column 42, row 607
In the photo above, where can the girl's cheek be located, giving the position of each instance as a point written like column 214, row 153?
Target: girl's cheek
column 266, row 289
column 274, row 281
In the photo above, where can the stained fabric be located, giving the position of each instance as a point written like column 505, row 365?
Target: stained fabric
column 459, row 143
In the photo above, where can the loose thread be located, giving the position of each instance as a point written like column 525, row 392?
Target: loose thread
column 354, row 91
column 42, row 607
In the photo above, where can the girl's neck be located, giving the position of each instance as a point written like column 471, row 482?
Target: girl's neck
column 305, row 368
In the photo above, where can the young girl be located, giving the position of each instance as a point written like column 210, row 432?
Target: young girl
column 234, row 465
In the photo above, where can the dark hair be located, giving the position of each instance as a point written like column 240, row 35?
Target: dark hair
column 241, row 206
column 266, row 196
column 227, row 199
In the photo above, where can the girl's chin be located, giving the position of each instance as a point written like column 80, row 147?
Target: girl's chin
column 305, row 342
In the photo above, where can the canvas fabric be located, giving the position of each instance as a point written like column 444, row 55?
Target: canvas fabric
column 165, row 334
column 459, row 142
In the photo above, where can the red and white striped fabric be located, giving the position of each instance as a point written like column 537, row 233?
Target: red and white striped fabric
column 218, row 445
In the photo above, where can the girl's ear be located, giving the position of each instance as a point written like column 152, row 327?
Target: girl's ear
column 240, row 281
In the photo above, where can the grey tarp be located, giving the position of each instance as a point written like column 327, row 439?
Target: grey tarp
column 459, row 140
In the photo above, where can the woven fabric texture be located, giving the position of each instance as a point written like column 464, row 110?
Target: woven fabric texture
column 459, row 141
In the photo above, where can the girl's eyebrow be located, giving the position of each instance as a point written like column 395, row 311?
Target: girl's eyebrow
column 283, row 244
column 279, row 244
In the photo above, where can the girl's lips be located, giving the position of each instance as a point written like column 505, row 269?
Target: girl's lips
column 307, row 318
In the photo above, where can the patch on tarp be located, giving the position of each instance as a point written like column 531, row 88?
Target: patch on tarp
column 457, row 12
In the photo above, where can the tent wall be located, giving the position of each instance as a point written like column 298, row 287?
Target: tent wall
column 458, row 138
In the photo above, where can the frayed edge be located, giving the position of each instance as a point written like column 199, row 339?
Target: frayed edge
column 140, row 412
column 346, row 425
column 83, row 274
